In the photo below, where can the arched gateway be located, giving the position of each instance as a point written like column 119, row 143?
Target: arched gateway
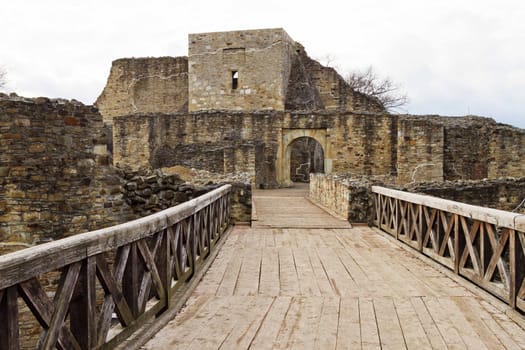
column 288, row 136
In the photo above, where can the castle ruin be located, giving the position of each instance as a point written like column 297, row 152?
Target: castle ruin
column 241, row 100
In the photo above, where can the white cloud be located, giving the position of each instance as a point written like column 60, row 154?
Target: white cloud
column 452, row 57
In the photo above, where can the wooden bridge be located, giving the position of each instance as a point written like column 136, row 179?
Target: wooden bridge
column 298, row 278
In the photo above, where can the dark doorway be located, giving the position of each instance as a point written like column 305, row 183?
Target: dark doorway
column 306, row 156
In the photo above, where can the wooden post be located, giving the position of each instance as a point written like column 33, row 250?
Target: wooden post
column 457, row 247
column 82, row 310
column 132, row 280
column 162, row 261
column 9, row 319
column 512, row 267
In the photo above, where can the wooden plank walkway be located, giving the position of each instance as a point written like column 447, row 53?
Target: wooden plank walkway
column 289, row 282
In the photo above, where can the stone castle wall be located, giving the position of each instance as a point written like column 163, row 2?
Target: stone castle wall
column 272, row 72
column 503, row 193
column 313, row 86
column 261, row 59
column 250, row 142
column 412, row 148
column 144, row 85
column 420, row 150
column 56, row 176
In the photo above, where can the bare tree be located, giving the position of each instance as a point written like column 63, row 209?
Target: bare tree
column 3, row 77
column 383, row 89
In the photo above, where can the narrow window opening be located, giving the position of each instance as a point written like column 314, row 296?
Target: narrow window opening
column 235, row 79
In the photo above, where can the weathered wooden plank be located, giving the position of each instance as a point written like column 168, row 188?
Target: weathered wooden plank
column 229, row 280
column 471, row 338
column 199, row 311
column 268, row 332
column 428, row 324
column 9, row 319
column 448, row 329
column 249, row 318
column 288, row 279
column 42, row 308
column 269, row 279
column 63, row 297
column 288, row 327
column 349, row 328
column 327, row 329
column 367, row 320
column 387, row 320
column 491, row 332
column 151, row 274
column 249, row 274
column 114, row 295
column 131, row 282
column 82, row 309
column 411, row 328
column 511, row 330
column 162, row 261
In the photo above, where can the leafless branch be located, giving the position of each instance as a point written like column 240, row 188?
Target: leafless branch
column 3, row 77
column 385, row 90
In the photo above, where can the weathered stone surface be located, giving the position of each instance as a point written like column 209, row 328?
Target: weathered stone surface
column 503, row 193
column 143, row 85
column 412, row 148
column 239, row 70
column 246, row 70
column 52, row 183
column 350, row 197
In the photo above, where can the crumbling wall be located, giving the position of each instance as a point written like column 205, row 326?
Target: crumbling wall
column 420, row 146
column 314, row 86
column 56, row 173
column 466, row 148
column 348, row 197
column 506, row 152
column 260, row 61
column 226, row 142
column 148, row 192
column 503, row 193
column 144, row 85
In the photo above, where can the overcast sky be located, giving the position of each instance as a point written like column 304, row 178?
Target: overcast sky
column 452, row 57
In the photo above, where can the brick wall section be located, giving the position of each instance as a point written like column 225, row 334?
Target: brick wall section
column 144, row 85
column 56, row 174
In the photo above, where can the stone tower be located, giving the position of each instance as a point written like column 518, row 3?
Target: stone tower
column 239, row 70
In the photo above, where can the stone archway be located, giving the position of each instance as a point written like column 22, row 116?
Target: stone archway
column 288, row 136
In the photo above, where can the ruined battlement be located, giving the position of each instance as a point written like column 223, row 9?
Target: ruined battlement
column 249, row 70
column 145, row 85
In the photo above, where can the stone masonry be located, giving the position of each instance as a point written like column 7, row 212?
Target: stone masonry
column 143, row 85
column 251, row 94
column 56, row 174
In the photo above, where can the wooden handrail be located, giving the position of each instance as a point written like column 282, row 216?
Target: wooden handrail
column 494, row 216
column 483, row 245
column 138, row 265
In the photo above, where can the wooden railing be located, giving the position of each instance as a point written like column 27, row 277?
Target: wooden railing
column 486, row 246
column 110, row 281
